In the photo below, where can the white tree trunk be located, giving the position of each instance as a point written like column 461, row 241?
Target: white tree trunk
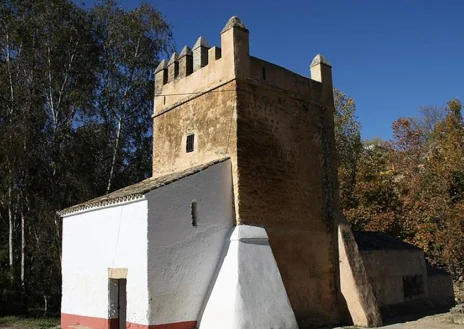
column 115, row 151
column 45, row 305
column 10, row 115
column 10, row 235
column 23, row 248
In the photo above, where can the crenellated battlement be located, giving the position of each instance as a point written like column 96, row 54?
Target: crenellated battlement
column 197, row 69
column 203, row 67
column 173, row 67
column 188, row 61
column 200, row 53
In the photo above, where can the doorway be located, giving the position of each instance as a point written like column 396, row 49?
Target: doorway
column 117, row 303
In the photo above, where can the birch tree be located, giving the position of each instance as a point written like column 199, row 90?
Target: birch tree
column 131, row 45
column 76, row 91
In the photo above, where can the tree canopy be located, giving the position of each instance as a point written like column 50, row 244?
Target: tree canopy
column 412, row 186
column 75, row 122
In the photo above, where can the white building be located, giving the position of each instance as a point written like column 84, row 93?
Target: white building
column 148, row 256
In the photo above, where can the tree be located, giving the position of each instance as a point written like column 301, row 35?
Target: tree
column 131, row 44
column 411, row 187
column 428, row 119
column 377, row 206
column 446, row 162
column 348, row 144
column 76, row 88
column 41, row 43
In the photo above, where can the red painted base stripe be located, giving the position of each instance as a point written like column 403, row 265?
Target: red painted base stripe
column 69, row 321
column 177, row 325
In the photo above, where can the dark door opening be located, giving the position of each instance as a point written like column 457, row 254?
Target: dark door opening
column 118, row 303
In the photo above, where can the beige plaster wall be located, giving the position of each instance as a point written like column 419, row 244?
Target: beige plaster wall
column 203, row 103
column 210, row 116
column 203, row 80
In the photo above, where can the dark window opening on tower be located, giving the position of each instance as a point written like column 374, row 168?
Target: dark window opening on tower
column 190, row 143
column 264, row 73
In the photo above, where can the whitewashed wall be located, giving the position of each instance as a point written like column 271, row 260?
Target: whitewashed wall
column 182, row 259
column 93, row 241
column 249, row 292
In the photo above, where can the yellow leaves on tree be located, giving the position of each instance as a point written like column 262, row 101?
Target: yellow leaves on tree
column 413, row 186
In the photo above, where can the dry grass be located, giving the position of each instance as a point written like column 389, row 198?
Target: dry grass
column 16, row 322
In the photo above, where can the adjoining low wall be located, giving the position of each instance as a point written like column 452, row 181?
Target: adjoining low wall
column 403, row 283
column 440, row 284
column 396, row 269
column 396, row 275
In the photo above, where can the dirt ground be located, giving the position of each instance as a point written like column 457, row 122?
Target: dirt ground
column 438, row 321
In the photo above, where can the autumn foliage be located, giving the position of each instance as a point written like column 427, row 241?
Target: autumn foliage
column 412, row 186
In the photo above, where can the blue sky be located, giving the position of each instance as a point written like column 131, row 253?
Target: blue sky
column 390, row 56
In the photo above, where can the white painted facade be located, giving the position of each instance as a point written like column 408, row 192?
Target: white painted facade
column 180, row 269
column 93, row 241
column 182, row 258
column 170, row 263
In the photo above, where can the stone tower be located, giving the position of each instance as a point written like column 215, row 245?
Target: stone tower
column 277, row 128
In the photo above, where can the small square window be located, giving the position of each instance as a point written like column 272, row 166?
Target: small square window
column 189, row 147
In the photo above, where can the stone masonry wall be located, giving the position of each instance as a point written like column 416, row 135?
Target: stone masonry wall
column 281, row 187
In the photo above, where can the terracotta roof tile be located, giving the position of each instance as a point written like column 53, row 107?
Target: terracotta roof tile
column 137, row 190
